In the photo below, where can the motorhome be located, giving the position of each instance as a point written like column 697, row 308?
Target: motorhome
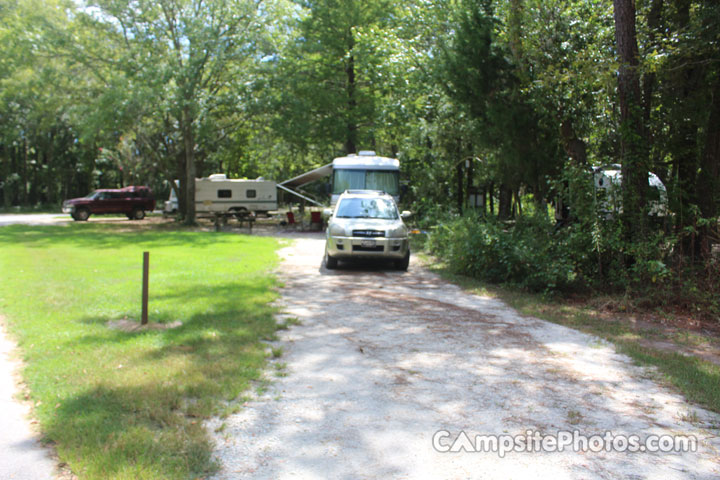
column 362, row 171
column 217, row 194
column 365, row 171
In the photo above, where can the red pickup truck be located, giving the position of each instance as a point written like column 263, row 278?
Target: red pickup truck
column 132, row 201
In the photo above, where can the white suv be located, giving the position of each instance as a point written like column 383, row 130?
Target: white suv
column 367, row 224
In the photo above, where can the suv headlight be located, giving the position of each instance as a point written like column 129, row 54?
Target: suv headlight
column 398, row 232
column 337, row 231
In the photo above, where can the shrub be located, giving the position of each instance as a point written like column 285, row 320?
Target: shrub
column 523, row 253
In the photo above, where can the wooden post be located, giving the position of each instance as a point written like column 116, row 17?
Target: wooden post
column 146, row 275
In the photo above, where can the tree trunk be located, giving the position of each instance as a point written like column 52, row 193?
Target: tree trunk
column 4, row 175
column 491, row 192
column 518, row 202
column 505, row 205
column 654, row 18
column 351, row 140
column 574, row 147
column 460, row 196
column 709, row 177
column 24, row 174
column 632, row 133
column 470, row 172
column 189, row 144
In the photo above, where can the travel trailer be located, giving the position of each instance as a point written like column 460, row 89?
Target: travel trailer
column 608, row 182
column 218, row 194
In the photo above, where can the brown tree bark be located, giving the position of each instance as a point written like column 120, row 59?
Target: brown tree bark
column 574, row 146
column 351, row 124
column 709, row 175
column 189, row 147
column 460, row 196
column 632, row 132
column 505, row 205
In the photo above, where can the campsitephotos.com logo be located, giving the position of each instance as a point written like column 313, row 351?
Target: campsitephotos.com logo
column 533, row 441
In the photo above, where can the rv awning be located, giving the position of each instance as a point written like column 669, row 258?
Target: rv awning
column 308, row 177
column 300, row 195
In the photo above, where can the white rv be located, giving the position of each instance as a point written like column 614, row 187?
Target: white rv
column 608, row 182
column 362, row 171
column 365, row 171
column 217, row 193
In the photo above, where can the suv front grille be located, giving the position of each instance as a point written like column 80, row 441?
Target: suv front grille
column 368, row 233
column 360, row 248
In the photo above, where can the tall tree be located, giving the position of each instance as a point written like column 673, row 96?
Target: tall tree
column 184, row 57
column 632, row 134
column 331, row 75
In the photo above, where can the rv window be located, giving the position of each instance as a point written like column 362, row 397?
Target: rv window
column 387, row 181
column 348, row 180
column 251, row 194
column 224, row 193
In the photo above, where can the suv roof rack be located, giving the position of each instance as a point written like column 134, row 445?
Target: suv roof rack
column 360, row 192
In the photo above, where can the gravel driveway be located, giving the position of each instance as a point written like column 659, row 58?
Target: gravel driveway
column 383, row 360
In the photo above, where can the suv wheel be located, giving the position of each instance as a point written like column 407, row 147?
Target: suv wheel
column 138, row 214
column 81, row 214
column 404, row 263
column 330, row 262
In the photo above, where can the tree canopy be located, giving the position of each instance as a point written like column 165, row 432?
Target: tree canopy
column 500, row 100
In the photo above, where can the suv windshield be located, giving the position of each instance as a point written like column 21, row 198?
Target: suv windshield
column 366, row 208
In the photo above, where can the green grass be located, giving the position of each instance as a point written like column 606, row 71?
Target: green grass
column 696, row 378
column 130, row 405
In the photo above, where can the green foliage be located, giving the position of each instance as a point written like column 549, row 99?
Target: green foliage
column 528, row 254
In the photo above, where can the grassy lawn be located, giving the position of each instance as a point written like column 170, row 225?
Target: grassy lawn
column 696, row 378
column 130, row 405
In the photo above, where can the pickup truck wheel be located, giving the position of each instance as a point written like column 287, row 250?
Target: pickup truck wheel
column 81, row 214
column 404, row 263
column 330, row 262
column 137, row 214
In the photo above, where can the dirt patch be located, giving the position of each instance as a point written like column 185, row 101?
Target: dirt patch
column 130, row 325
column 676, row 333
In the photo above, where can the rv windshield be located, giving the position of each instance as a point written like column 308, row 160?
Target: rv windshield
column 384, row 180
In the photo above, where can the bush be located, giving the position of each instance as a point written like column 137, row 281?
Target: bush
column 523, row 254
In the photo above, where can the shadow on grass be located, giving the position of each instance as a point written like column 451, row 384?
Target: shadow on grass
column 144, row 420
column 248, row 295
column 99, row 236
column 130, row 432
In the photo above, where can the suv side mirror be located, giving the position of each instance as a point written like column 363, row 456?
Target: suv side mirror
column 406, row 214
column 327, row 213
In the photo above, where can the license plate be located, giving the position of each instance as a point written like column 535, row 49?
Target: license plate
column 368, row 243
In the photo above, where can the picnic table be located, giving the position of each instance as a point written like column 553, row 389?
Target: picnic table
column 221, row 218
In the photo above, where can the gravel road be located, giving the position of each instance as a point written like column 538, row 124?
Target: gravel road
column 383, row 360
column 33, row 219
column 22, row 457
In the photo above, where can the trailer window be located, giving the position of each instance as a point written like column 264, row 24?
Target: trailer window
column 251, row 193
column 224, row 193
